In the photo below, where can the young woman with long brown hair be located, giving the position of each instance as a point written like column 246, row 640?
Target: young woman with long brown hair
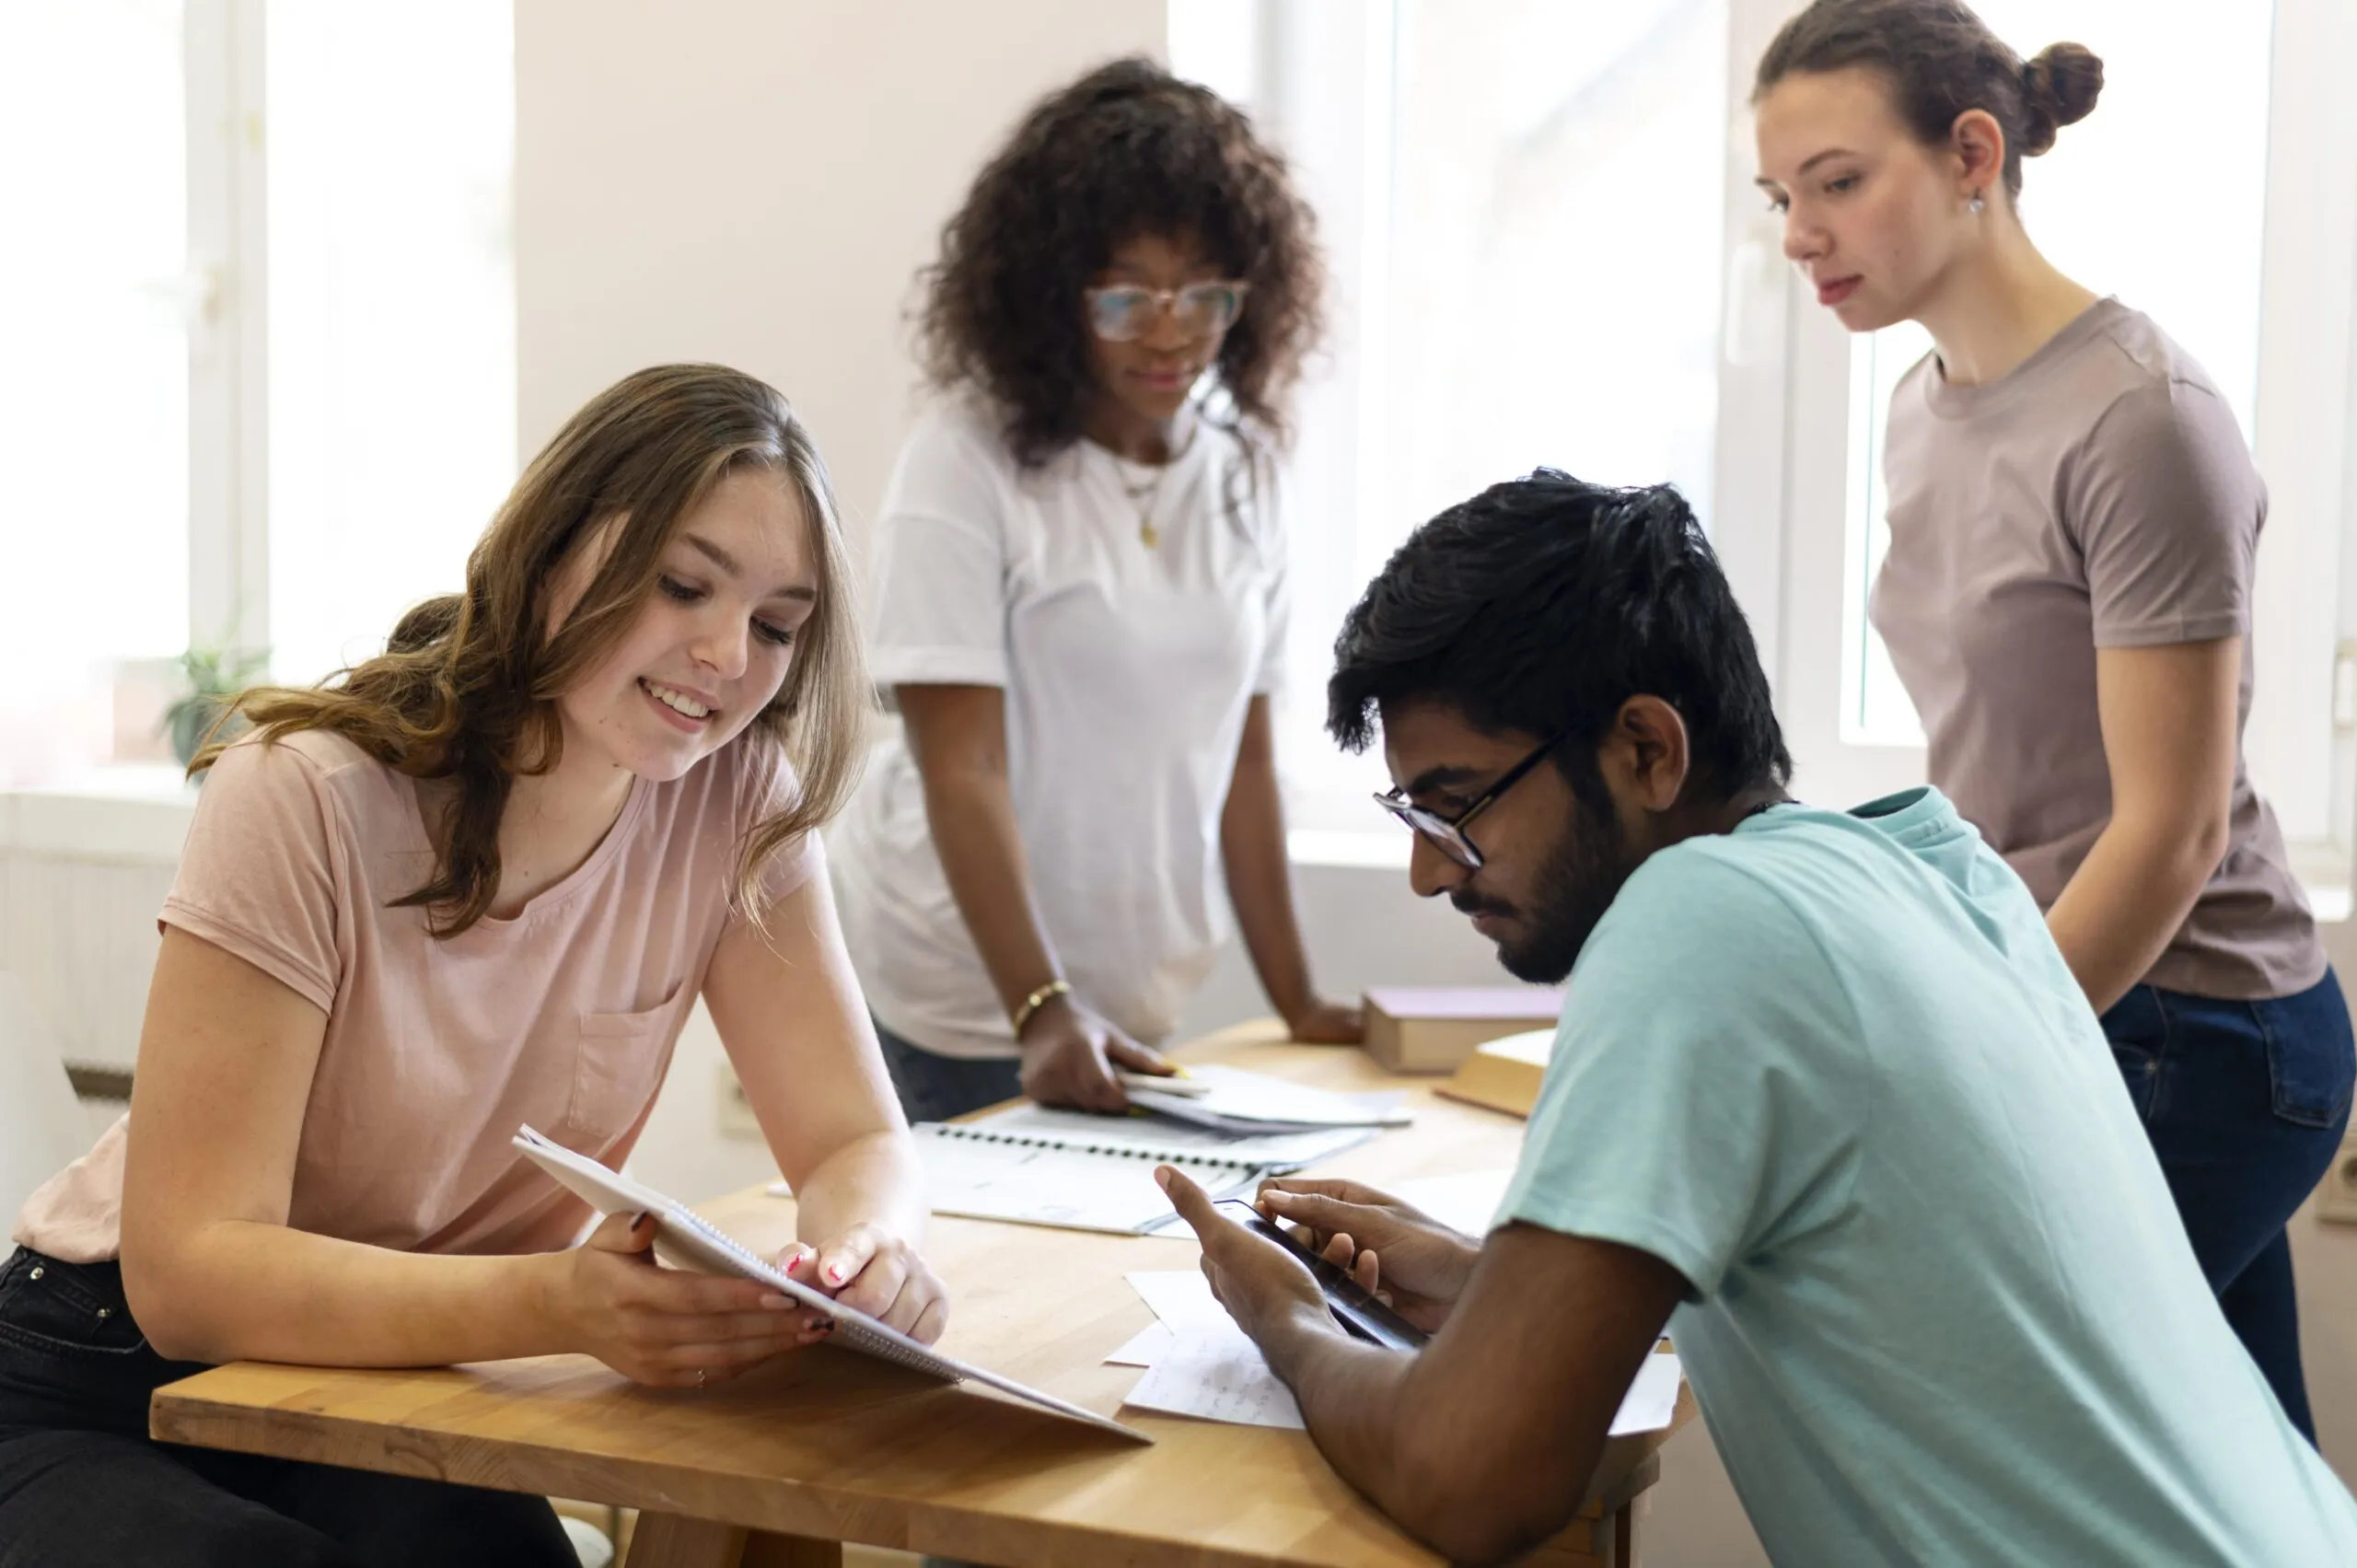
column 478, row 881
column 2073, row 519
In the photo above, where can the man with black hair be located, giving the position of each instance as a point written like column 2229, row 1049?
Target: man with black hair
column 1825, row 1101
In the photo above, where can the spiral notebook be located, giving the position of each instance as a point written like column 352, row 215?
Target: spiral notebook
column 687, row 1240
column 1035, row 1166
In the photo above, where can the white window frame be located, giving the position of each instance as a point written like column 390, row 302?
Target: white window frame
column 228, row 468
column 1784, row 504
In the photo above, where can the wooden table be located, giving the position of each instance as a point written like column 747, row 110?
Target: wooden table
column 825, row 1446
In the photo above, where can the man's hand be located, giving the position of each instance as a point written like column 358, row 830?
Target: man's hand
column 1418, row 1263
column 1265, row 1288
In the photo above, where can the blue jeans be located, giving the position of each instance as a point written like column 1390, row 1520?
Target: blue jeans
column 934, row 1087
column 2246, row 1103
column 81, row 1484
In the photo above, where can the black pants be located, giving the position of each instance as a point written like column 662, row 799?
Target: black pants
column 81, row 1484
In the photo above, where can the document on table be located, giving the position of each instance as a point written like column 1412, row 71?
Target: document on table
column 1217, row 1377
column 1199, row 1363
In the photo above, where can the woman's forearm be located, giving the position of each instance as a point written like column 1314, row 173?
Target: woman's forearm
column 974, row 831
column 2127, row 900
column 243, row 1290
column 875, row 1180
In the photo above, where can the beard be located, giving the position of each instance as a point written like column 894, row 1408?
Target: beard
column 1576, row 884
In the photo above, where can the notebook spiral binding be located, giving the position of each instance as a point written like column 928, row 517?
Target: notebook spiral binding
column 1127, row 1150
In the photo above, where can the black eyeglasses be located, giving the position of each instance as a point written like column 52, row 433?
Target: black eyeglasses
column 1447, row 833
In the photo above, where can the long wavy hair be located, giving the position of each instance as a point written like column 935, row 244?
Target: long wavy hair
column 1126, row 150
column 466, row 689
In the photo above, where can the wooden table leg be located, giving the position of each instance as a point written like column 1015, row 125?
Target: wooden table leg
column 1624, row 1532
column 672, row 1540
column 764, row 1549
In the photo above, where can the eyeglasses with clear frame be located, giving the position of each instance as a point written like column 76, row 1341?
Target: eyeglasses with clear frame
column 1126, row 312
column 1447, row 833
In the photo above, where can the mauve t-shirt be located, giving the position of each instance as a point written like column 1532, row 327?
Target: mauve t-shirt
column 2097, row 496
column 435, row 1048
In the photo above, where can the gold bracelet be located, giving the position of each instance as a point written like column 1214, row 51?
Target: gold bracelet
column 1037, row 1000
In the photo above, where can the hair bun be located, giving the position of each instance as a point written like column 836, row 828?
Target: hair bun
column 2059, row 86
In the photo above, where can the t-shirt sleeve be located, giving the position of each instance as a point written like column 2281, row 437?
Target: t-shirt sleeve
column 1706, row 1090
column 768, row 789
column 940, row 576
column 2166, row 505
column 258, row 875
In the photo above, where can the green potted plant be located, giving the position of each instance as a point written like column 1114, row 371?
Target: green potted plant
column 216, row 676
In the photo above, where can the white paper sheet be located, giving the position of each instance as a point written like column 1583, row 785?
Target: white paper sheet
column 1217, row 1376
column 1652, row 1398
column 1143, row 1348
column 1182, row 1299
column 1465, row 1203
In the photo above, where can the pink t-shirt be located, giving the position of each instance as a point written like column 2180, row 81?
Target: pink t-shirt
column 564, row 1016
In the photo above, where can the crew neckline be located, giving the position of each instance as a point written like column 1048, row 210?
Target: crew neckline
column 1948, row 401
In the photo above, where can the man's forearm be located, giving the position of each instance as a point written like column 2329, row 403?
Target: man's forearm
column 1351, row 1397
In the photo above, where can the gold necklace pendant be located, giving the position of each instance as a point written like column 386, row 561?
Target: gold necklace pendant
column 1148, row 535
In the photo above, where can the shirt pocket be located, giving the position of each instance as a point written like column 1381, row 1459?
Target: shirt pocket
column 618, row 1067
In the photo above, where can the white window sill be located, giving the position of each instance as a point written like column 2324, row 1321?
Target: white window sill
column 138, row 812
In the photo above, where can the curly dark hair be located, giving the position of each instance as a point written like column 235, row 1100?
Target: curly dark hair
column 1126, row 150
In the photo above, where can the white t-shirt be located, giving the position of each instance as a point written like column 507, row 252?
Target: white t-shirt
column 1128, row 670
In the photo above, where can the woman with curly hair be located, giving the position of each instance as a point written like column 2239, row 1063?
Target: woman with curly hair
column 1081, row 608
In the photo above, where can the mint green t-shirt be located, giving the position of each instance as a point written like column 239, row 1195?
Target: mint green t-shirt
column 1833, row 1070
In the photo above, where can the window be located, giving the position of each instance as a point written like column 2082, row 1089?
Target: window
column 392, row 340
column 1523, row 209
column 96, row 304
column 258, row 322
column 2206, row 189
column 2098, row 206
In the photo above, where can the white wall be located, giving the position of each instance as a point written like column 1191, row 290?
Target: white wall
column 757, row 183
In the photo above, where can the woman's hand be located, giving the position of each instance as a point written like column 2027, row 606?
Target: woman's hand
column 1070, row 1056
column 1420, row 1264
column 869, row 1269
column 667, row 1328
column 1328, row 1022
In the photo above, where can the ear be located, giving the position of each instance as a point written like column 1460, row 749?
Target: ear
column 1646, row 753
column 1978, row 143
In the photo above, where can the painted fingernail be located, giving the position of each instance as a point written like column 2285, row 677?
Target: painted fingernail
column 835, row 1274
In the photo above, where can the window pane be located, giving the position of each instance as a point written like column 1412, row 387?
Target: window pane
column 1555, row 236
column 392, row 379
column 93, row 402
column 2115, row 206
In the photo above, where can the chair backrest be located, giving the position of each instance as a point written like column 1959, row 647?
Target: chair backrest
column 43, row 1125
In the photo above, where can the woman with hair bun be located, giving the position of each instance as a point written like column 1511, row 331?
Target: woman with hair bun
column 2073, row 518
column 1080, row 608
